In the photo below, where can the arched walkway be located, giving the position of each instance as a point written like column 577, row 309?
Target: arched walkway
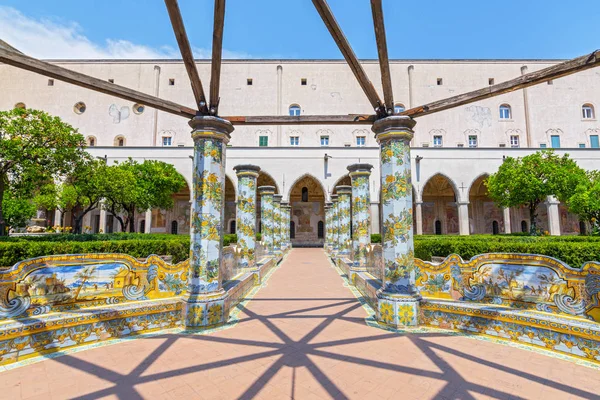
column 484, row 214
column 230, row 196
column 439, row 206
column 304, row 336
column 307, row 199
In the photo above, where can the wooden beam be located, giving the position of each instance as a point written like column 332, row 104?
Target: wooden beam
column 4, row 45
column 217, row 53
column 349, row 119
column 344, row 46
column 382, row 51
column 187, row 55
column 76, row 78
column 534, row 78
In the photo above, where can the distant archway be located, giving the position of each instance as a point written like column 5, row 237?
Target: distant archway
column 482, row 209
column 264, row 179
column 439, row 206
column 307, row 199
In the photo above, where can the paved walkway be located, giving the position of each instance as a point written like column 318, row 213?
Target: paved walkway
column 303, row 336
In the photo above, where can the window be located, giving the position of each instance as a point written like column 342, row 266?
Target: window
column 79, row 108
column 437, row 141
column 111, row 80
column 324, row 140
column 440, row 81
column 138, row 108
column 588, row 111
column 491, row 81
column 174, row 227
column 167, row 140
column 398, row 108
column 232, row 227
column 550, row 82
column 502, row 145
column 361, row 141
column 320, row 230
column 50, row 82
column 119, row 141
column 249, row 81
column 460, row 145
column 555, row 141
column 171, row 82
column 292, row 230
column 142, row 226
column 505, row 112
column 303, row 81
column 594, row 144
column 263, row 141
column 304, row 194
column 524, row 226
column 91, row 141
column 20, row 105
column 295, row 110
column 543, row 145
column 294, row 141
column 514, row 141
column 582, row 145
column 472, row 140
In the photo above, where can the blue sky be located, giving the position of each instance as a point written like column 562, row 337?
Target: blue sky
column 293, row 29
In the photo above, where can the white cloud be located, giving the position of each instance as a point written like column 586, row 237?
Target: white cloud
column 46, row 39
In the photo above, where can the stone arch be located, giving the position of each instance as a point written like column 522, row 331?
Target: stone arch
column 343, row 180
column 483, row 211
column 450, row 181
column 439, row 203
column 307, row 215
column 288, row 195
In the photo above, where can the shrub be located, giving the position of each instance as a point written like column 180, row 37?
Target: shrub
column 229, row 238
column 258, row 237
column 375, row 238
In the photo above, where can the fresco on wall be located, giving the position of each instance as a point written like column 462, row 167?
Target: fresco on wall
column 451, row 218
column 569, row 222
column 427, row 209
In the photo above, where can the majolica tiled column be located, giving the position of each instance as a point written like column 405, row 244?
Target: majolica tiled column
column 245, row 213
column 266, row 216
column 204, row 298
column 285, row 223
column 277, row 222
column 399, row 299
column 361, row 213
column 344, row 193
column 328, row 227
column 335, row 225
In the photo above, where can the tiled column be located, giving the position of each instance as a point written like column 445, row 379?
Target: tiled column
column 463, row 218
column 245, row 213
column 344, row 193
column 335, row 223
column 398, row 301
column 506, row 215
column 266, row 215
column 361, row 213
column 328, row 228
column 286, row 210
column 277, row 222
column 419, row 217
column 204, row 299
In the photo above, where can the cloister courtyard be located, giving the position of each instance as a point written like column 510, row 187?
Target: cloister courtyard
column 306, row 335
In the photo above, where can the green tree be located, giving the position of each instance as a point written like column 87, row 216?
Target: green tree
column 131, row 186
column 585, row 201
column 34, row 148
column 17, row 212
column 530, row 180
column 80, row 193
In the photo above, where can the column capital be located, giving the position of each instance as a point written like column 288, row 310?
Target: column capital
column 266, row 190
column 247, row 169
column 211, row 127
column 334, row 198
column 277, row 198
column 359, row 169
column 396, row 126
column 343, row 189
column 462, row 203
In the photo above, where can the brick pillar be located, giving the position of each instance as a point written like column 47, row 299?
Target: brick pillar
column 361, row 213
column 398, row 301
column 204, row 298
column 245, row 213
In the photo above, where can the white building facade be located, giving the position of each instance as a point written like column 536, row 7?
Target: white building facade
column 453, row 151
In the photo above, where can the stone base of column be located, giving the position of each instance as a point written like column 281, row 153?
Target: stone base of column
column 201, row 311
column 397, row 311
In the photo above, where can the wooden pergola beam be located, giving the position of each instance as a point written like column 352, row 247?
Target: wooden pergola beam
column 76, row 78
column 350, row 119
column 534, row 78
column 344, row 46
column 217, row 54
column 187, row 55
column 382, row 51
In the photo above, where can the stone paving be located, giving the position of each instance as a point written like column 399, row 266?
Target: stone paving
column 303, row 336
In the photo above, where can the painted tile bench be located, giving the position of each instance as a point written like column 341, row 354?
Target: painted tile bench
column 52, row 303
column 530, row 299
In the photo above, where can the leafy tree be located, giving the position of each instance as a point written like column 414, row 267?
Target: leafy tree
column 80, row 193
column 585, row 201
column 530, row 180
column 17, row 212
column 131, row 186
column 34, row 147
